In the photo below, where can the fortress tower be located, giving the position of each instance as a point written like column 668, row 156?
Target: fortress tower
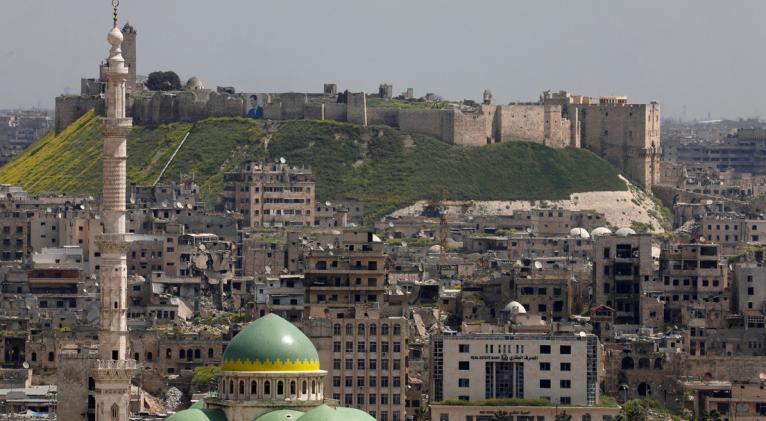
column 129, row 54
column 114, row 369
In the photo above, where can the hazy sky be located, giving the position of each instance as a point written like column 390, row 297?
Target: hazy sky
column 698, row 55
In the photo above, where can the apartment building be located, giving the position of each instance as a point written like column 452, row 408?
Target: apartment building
column 688, row 273
column 355, row 329
column 621, row 264
column 270, row 194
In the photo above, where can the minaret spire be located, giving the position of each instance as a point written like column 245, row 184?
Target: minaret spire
column 114, row 369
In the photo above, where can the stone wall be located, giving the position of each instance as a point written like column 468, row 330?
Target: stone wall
column 424, row 121
column 356, row 111
column 335, row 112
column 384, row 116
column 470, row 129
column 70, row 108
column 520, row 122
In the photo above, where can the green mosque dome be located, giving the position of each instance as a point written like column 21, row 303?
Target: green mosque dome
column 325, row 413
column 281, row 415
column 270, row 343
column 196, row 414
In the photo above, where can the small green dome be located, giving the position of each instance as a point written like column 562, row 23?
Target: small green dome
column 270, row 343
column 281, row 415
column 325, row 413
column 196, row 414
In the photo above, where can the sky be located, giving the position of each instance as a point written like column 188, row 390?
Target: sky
column 698, row 58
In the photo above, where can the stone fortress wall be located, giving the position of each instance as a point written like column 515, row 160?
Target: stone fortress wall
column 627, row 135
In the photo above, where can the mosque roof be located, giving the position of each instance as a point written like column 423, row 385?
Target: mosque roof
column 270, row 343
column 196, row 414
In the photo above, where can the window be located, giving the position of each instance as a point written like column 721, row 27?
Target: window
column 463, row 365
column 565, row 349
column 565, row 384
column 566, row 367
column 545, row 349
column 463, row 383
column 565, row 400
column 545, row 384
column 463, row 348
column 336, row 346
column 545, row 366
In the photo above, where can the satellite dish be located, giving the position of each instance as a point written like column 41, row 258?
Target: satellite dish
column 25, row 365
column 164, row 204
column 327, row 203
column 391, row 224
column 179, row 205
column 538, row 265
column 267, row 269
column 582, row 334
column 282, row 159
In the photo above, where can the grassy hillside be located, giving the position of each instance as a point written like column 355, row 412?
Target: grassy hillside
column 380, row 165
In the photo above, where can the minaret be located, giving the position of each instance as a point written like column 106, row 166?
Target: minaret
column 114, row 369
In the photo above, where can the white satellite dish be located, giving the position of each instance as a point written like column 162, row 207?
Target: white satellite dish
column 330, row 246
column 282, row 159
column 267, row 269
column 327, row 203
column 391, row 224
column 164, row 204
column 179, row 205
column 538, row 265
column 25, row 365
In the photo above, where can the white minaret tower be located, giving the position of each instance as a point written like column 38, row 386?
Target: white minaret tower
column 114, row 369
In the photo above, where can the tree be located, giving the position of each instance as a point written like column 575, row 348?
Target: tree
column 203, row 378
column 635, row 410
column 711, row 416
column 163, row 81
column 421, row 414
column 563, row 416
column 501, row 416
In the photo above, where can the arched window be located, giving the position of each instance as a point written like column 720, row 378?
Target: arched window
column 181, row 353
column 292, row 388
column 643, row 364
column 34, row 356
column 384, row 329
column 360, row 329
column 349, row 329
column 253, row 387
column 91, row 383
column 135, row 356
column 210, row 352
column 644, row 390
column 280, row 388
column 658, row 364
column 373, row 330
column 586, row 417
column 51, row 356
column 115, row 412
column 231, row 387
column 241, row 387
column 336, row 329
column 168, row 353
column 627, row 363
column 197, row 353
column 149, row 356
column 267, row 388
column 313, row 386
column 305, row 388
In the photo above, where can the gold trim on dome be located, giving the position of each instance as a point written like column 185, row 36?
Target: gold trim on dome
column 268, row 365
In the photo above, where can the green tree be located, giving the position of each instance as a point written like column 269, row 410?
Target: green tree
column 501, row 416
column 421, row 414
column 203, row 377
column 563, row 416
column 163, row 81
column 634, row 410
column 711, row 416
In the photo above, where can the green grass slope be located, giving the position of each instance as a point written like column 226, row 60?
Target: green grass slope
column 379, row 165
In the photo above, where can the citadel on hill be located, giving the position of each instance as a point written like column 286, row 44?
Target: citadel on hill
column 627, row 135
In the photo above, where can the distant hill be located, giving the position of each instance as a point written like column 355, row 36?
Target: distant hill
column 379, row 165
